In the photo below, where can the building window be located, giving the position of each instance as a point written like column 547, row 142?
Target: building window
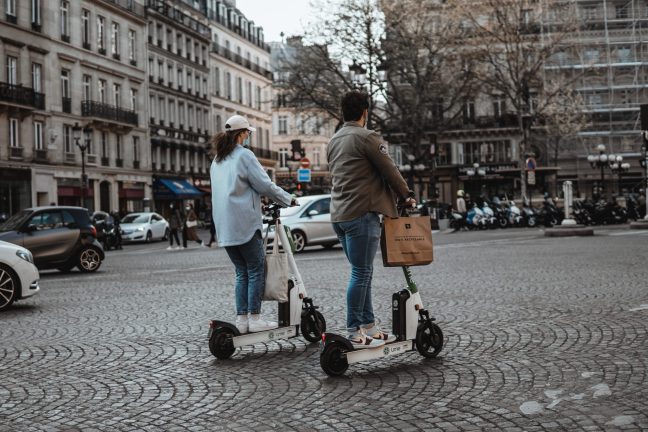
column 118, row 147
column 499, row 106
column 133, row 99
column 469, row 111
column 102, row 90
column 65, row 83
column 217, row 81
column 189, row 81
column 85, row 28
column 10, row 7
column 172, row 112
column 283, row 157
column 228, row 85
column 87, row 91
column 136, row 149
column 13, row 132
column 181, row 112
column 249, row 93
column 160, row 71
column 114, row 40
column 219, row 124
column 38, row 135
column 258, row 97
column 35, row 12
column 152, row 109
column 104, row 145
column 67, row 139
column 239, row 89
column 132, row 44
column 117, row 95
column 162, row 109
column 12, row 72
column 180, row 80
column 283, row 125
column 37, row 83
column 101, row 34
column 65, row 19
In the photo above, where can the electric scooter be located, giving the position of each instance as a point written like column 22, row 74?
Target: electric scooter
column 295, row 315
column 413, row 327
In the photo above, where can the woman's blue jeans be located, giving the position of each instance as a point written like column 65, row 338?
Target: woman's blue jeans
column 249, row 262
column 360, row 238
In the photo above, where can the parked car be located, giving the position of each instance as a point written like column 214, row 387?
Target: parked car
column 59, row 237
column 18, row 274
column 144, row 227
column 310, row 222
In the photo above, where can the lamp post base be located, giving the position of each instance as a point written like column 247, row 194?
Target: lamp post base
column 569, row 230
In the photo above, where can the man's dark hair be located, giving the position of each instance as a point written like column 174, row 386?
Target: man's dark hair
column 353, row 104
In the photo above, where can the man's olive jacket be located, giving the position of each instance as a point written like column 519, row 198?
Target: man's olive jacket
column 364, row 177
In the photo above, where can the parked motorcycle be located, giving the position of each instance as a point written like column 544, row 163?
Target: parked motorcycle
column 529, row 218
column 501, row 212
column 514, row 215
column 549, row 215
column 476, row 219
column 489, row 216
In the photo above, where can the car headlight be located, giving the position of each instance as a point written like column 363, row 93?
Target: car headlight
column 140, row 228
column 26, row 255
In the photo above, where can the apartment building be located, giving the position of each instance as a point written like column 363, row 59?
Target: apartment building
column 73, row 76
column 298, row 132
column 178, row 100
column 241, row 80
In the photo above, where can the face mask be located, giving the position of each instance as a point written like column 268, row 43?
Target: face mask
column 246, row 141
column 187, row 208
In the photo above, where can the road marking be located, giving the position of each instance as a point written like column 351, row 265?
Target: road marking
column 630, row 232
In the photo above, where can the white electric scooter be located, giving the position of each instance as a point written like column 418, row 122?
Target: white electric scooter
column 412, row 326
column 298, row 313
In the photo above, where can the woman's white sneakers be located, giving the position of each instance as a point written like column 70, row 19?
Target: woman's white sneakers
column 359, row 339
column 254, row 324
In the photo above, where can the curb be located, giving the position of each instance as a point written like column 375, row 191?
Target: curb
column 569, row 231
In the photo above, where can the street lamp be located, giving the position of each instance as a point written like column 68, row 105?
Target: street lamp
column 601, row 161
column 476, row 171
column 619, row 167
column 372, row 76
column 77, row 133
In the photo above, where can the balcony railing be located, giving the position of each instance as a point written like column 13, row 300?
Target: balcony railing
column 162, row 7
column 119, row 163
column 108, row 112
column 16, row 152
column 230, row 55
column 66, row 104
column 21, row 95
column 40, row 155
column 130, row 5
column 105, row 161
column 91, row 159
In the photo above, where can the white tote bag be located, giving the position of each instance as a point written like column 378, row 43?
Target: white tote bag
column 276, row 269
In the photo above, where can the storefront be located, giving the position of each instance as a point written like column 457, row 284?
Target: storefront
column 131, row 196
column 173, row 190
column 70, row 193
column 15, row 190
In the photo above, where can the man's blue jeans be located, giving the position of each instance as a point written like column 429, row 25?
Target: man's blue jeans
column 360, row 238
column 249, row 262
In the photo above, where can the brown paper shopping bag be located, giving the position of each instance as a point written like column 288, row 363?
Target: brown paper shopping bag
column 406, row 241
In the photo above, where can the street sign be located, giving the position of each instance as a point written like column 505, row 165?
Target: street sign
column 531, row 178
column 304, row 162
column 303, row 175
column 530, row 164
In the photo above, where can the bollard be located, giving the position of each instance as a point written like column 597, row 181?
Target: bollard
column 567, row 191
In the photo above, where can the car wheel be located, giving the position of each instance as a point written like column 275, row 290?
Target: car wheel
column 9, row 286
column 166, row 234
column 299, row 239
column 149, row 237
column 89, row 260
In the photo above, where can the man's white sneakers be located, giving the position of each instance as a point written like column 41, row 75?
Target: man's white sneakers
column 257, row 324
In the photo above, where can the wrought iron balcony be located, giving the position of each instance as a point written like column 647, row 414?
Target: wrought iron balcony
column 108, row 112
column 21, row 95
column 265, row 153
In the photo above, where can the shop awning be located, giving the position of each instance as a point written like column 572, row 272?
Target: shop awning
column 168, row 189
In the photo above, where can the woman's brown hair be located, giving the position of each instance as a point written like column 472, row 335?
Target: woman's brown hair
column 224, row 143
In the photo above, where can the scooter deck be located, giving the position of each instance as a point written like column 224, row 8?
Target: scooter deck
column 387, row 350
column 265, row 336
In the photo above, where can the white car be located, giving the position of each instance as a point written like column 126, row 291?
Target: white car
column 310, row 222
column 144, row 227
column 18, row 274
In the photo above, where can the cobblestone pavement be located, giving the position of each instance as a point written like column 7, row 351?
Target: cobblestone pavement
column 542, row 334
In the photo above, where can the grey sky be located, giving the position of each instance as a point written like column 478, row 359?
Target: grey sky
column 275, row 16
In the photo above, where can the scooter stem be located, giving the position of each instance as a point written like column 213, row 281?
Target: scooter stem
column 411, row 285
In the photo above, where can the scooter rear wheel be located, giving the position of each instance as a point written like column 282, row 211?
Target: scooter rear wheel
column 429, row 339
column 332, row 360
column 220, row 343
column 312, row 326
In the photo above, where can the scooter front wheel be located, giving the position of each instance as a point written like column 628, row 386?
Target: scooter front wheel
column 429, row 339
column 220, row 343
column 312, row 326
column 332, row 360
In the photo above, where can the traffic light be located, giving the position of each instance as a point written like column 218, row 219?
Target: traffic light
column 299, row 187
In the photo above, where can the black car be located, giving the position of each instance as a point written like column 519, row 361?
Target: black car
column 59, row 237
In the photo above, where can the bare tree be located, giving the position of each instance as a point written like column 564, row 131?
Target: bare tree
column 511, row 42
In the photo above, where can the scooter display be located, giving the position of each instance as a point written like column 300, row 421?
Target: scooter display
column 295, row 315
column 413, row 327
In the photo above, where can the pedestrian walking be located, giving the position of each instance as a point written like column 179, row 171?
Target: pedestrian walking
column 461, row 208
column 175, row 222
column 238, row 181
column 212, row 233
column 365, row 184
column 190, row 225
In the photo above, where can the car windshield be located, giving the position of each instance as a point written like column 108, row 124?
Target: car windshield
column 135, row 218
column 15, row 221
